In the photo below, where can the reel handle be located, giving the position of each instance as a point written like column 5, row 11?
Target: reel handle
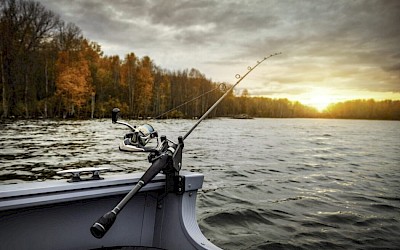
column 114, row 115
column 114, row 119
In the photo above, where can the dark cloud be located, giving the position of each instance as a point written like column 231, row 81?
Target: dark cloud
column 394, row 67
column 180, row 14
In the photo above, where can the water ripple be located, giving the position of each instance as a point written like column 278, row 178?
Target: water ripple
column 269, row 183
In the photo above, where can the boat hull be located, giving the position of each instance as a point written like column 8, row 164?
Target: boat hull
column 58, row 214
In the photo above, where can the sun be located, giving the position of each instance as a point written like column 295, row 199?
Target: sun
column 319, row 99
column 320, row 102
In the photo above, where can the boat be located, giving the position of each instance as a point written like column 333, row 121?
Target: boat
column 242, row 116
column 58, row 214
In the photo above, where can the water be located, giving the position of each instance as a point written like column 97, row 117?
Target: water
column 269, row 183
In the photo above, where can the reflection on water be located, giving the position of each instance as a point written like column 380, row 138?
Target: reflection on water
column 269, row 183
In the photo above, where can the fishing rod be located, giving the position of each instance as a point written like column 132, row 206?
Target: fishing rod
column 165, row 157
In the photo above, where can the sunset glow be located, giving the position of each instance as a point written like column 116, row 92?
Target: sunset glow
column 319, row 99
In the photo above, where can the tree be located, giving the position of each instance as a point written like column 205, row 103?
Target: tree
column 128, row 79
column 144, row 87
column 161, row 92
column 73, row 82
column 25, row 26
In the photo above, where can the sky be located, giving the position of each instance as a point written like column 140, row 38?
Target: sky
column 332, row 50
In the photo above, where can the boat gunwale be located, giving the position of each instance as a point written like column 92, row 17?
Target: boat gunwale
column 14, row 196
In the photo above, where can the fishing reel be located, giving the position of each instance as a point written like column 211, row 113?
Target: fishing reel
column 140, row 136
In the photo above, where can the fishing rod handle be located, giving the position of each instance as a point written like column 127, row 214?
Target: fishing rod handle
column 103, row 224
column 158, row 164
column 155, row 168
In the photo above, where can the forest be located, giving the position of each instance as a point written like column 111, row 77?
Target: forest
column 49, row 70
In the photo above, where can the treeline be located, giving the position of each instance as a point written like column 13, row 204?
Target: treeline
column 364, row 109
column 48, row 69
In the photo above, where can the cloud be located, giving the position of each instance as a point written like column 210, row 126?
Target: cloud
column 346, row 44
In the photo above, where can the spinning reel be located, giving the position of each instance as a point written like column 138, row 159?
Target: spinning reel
column 136, row 140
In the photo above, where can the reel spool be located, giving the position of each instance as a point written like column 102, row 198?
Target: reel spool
column 137, row 140
column 142, row 135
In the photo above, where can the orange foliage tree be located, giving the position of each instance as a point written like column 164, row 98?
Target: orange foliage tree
column 144, row 86
column 128, row 79
column 73, row 81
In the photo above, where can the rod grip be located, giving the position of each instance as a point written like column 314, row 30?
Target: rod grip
column 155, row 168
column 103, row 224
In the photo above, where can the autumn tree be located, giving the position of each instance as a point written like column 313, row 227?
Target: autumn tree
column 177, row 79
column 91, row 52
column 161, row 92
column 143, row 92
column 73, row 81
column 128, row 79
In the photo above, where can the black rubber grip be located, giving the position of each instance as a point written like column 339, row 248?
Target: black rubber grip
column 154, row 169
column 103, row 224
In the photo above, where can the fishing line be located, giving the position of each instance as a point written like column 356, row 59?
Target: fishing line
column 221, row 86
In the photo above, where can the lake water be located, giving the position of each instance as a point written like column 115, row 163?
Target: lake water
column 269, row 183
